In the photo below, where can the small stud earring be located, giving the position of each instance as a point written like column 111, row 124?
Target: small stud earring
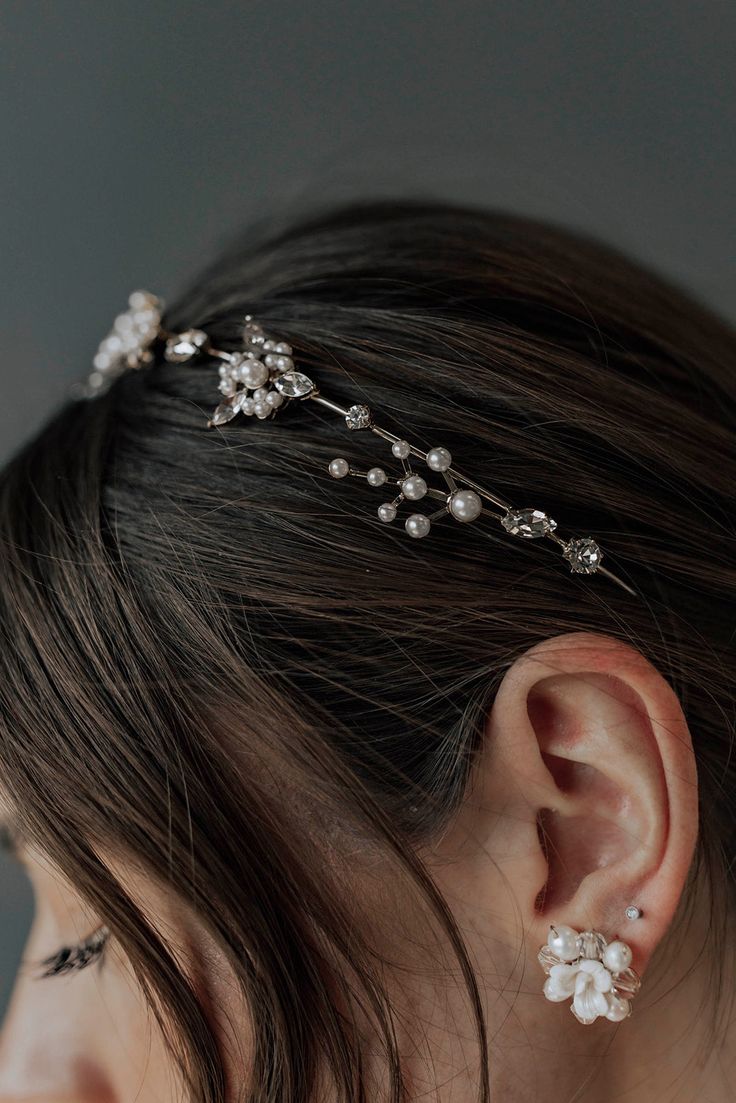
column 632, row 912
column 597, row 974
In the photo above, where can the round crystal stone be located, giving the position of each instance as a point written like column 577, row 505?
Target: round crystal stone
column 583, row 555
column 529, row 523
column 358, row 417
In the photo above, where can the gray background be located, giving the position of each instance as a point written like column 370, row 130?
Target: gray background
column 136, row 136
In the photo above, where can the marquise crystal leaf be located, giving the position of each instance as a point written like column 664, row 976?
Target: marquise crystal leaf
column 225, row 412
column 294, row 384
column 529, row 523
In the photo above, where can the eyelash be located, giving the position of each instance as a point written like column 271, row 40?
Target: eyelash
column 79, row 956
column 68, row 958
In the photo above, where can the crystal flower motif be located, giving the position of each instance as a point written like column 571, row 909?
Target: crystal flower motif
column 258, row 380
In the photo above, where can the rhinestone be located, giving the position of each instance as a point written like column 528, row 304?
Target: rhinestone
column 185, row 345
column 294, row 384
column 627, row 984
column 583, row 555
column 530, row 523
column 591, row 944
column 632, row 912
column 358, row 417
column 224, row 412
column 547, row 958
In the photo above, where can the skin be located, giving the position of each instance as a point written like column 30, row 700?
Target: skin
column 584, row 733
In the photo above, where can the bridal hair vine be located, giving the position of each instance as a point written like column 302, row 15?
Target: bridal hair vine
column 261, row 377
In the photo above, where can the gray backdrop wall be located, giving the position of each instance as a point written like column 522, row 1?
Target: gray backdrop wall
column 135, row 136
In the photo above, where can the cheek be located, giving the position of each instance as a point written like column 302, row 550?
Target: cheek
column 86, row 1035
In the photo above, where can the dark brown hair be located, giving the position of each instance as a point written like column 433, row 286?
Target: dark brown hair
column 218, row 661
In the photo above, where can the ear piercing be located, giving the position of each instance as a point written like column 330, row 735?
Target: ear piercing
column 632, row 912
column 597, row 974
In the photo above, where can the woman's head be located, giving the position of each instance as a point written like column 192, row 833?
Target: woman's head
column 307, row 770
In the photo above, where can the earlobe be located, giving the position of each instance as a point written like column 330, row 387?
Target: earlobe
column 590, row 754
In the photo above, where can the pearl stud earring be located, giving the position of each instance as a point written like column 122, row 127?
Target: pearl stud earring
column 597, row 974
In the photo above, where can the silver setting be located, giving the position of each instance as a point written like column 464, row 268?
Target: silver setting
column 260, row 378
column 632, row 912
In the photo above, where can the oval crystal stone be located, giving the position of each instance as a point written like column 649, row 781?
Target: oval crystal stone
column 529, row 523
column 294, row 384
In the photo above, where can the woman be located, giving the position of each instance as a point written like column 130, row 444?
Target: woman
column 315, row 811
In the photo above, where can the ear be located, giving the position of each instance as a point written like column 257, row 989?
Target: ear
column 586, row 791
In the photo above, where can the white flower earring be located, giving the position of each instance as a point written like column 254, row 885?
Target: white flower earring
column 597, row 974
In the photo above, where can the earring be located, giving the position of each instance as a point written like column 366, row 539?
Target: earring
column 597, row 974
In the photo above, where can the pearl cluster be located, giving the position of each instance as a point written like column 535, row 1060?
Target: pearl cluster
column 128, row 344
column 257, row 380
column 595, row 973
column 462, row 503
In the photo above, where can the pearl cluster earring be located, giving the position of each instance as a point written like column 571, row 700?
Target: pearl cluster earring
column 597, row 974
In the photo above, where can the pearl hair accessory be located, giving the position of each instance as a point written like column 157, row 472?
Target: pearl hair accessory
column 595, row 973
column 260, row 378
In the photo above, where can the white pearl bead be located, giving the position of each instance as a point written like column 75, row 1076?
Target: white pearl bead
column 376, row 476
column 417, row 525
column 563, row 941
column 339, row 468
column 618, row 1009
column 261, row 394
column 414, row 487
column 617, row 956
column 275, row 399
column 262, row 409
column 247, row 406
column 439, row 459
column 253, row 373
column 401, row 449
column 387, row 512
column 465, row 505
